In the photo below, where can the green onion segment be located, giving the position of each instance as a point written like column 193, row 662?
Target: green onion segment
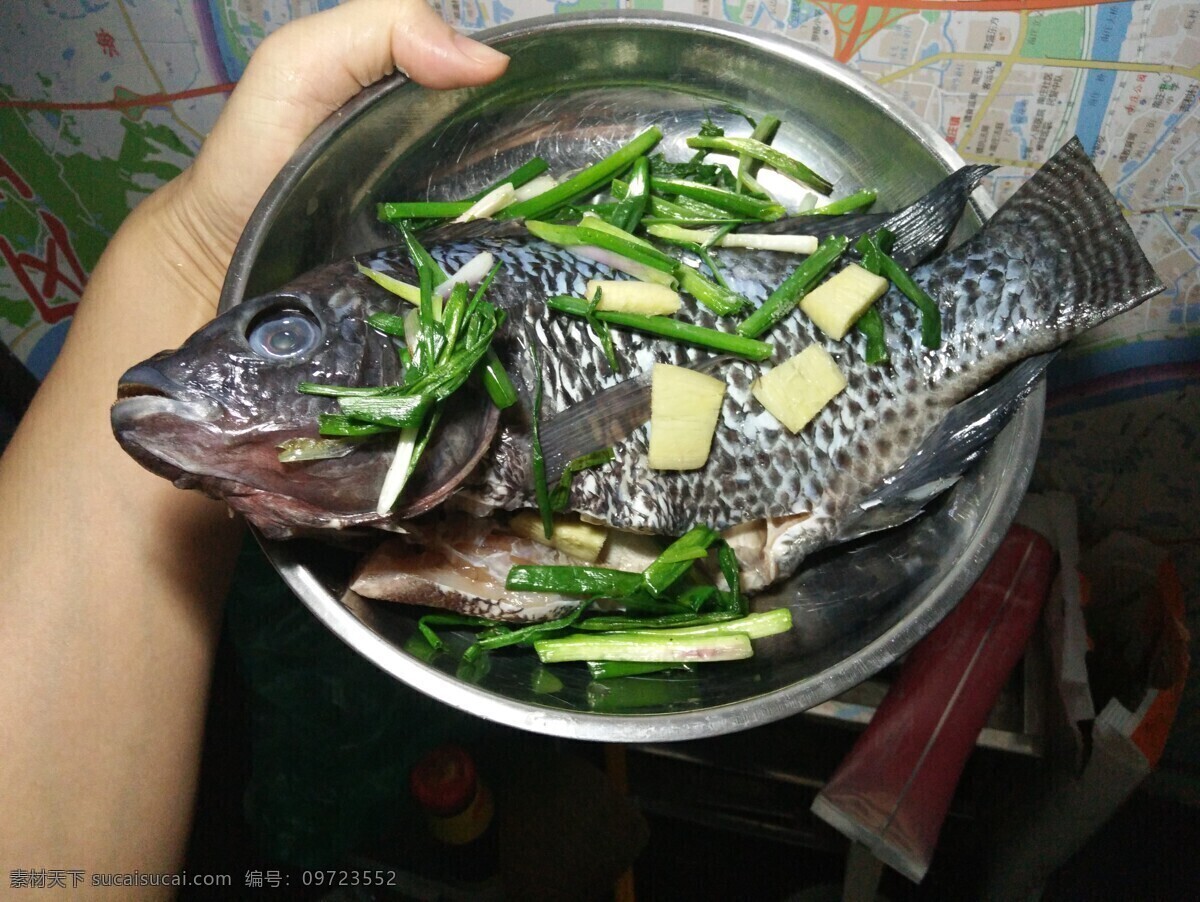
column 666, row 327
column 785, row 298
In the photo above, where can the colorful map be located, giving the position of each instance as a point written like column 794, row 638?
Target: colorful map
column 103, row 100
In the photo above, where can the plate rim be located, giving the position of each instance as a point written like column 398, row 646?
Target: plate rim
column 1024, row 430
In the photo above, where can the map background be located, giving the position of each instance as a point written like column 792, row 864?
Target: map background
column 101, row 101
column 1007, row 83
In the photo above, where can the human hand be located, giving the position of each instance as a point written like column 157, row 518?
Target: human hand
column 113, row 577
column 298, row 76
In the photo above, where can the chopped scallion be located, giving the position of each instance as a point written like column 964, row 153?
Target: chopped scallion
column 669, row 328
column 717, row 298
column 404, row 290
column 875, row 259
column 632, row 207
column 871, row 325
column 611, row 670
column 740, row 204
column 585, row 235
column 339, row 424
column 387, row 323
column 597, row 582
column 421, row 209
column 776, row 159
column 678, row 558
column 497, row 382
column 764, row 131
column 588, row 180
column 783, row 299
column 520, row 176
column 847, row 204
column 397, row 411
column 644, row 647
column 560, row 498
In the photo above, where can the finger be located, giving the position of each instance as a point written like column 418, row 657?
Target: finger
column 307, row 70
column 358, row 43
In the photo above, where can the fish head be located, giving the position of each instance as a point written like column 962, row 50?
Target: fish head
column 212, row 414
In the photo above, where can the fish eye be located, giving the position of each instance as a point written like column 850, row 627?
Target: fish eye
column 283, row 333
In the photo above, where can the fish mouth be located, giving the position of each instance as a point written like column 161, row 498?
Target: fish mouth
column 145, row 379
column 157, row 424
column 130, row 390
column 194, row 442
column 132, row 407
column 145, row 391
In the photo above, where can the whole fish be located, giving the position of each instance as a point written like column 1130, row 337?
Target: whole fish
column 1055, row 260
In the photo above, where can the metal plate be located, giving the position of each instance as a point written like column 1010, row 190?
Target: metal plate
column 578, row 86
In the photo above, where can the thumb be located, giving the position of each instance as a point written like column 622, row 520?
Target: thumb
column 302, row 73
column 434, row 54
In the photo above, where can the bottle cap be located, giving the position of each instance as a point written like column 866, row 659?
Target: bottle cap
column 444, row 781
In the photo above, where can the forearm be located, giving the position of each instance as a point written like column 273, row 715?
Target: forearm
column 111, row 577
column 100, row 760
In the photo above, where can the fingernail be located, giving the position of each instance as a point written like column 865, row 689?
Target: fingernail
column 480, row 53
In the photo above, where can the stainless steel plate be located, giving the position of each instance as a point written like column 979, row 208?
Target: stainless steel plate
column 577, row 86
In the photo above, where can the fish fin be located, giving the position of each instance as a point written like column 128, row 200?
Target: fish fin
column 604, row 419
column 820, row 226
column 1065, row 226
column 957, row 442
column 922, row 228
column 896, row 512
column 475, row 230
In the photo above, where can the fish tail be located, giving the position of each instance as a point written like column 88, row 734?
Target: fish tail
column 1055, row 260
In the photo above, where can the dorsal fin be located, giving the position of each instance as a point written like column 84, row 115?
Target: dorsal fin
column 476, row 229
column 921, row 228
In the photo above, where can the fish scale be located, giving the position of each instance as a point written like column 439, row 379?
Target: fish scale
column 627, row 493
column 1055, row 260
column 624, row 493
column 1024, row 284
